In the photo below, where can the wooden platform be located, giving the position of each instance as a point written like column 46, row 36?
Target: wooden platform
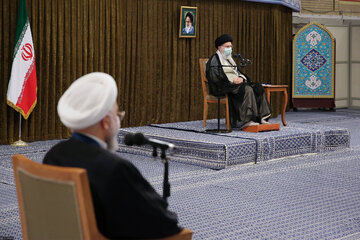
column 195, row 146
column 263, row 127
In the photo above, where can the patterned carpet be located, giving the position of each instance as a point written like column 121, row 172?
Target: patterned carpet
column 221, row 150
column 347, row 118
column 309, row 196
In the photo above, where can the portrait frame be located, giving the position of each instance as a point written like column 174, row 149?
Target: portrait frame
column 187, row 12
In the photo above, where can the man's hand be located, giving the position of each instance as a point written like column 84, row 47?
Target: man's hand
column 238, row 80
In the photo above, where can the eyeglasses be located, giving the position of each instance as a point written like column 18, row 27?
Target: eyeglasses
column 121, row 115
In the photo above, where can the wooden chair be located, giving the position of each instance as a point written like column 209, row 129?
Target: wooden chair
column 212, row 99
column 55, row 203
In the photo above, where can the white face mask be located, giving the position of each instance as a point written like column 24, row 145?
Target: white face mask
column 227, row 51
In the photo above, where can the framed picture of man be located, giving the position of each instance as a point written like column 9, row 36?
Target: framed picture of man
column 188, row 22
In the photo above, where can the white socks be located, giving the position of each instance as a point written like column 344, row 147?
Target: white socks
column 263, row 121
column 251, row 123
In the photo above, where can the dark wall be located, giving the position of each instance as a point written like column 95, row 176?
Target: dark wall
column 137, row 42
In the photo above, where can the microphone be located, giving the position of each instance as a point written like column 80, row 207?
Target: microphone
column 238, row 55
column 139, row 139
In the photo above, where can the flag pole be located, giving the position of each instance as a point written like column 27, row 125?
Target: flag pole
column 22, row 87
column 19, row 143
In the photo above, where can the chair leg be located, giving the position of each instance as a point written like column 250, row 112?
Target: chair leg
column 205, row 113
column 227, row 116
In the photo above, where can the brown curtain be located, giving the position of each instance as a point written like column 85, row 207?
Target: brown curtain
column 137, row 42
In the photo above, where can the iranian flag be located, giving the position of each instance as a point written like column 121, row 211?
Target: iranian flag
column 21, row 94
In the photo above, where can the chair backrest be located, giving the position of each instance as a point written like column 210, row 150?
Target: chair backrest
column 204, row 81
column 54, row 202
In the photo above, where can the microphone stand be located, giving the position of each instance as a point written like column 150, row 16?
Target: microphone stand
column 154, row 153
column 139, row 139
column 244, row 62
column 166, row 183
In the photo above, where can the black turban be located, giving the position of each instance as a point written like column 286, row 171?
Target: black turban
column 222, row 39
column 190, row 16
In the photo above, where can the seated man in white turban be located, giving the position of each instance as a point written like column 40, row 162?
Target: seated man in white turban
column 248, row 102
column 126, row 205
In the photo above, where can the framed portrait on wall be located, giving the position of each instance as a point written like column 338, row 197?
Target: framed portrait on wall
column 188, row 22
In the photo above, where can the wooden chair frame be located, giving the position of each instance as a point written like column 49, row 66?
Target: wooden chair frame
column 79, row 177
column 212, row 99
column 76, row 175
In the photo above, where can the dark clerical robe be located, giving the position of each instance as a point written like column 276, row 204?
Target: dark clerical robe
column 126, row 205
column 248, row 100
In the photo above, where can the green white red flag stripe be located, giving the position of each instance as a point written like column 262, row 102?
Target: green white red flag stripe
column 22, row 88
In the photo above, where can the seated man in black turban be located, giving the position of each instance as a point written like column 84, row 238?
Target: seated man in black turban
column 248, row 102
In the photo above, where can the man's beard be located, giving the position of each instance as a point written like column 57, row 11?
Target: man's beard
column 112, row 143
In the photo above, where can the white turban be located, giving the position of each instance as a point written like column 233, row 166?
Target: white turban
column 87, row 100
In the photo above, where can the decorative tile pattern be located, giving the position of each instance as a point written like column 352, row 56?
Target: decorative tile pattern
column 313, row 62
